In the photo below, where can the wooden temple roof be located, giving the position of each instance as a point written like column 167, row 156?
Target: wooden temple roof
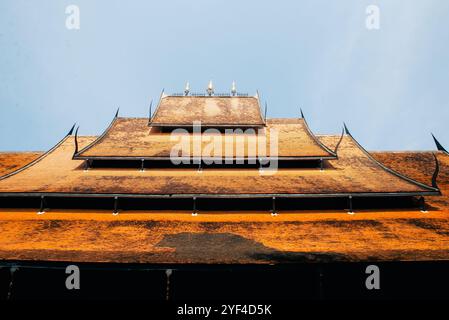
column 96, row 236
column 218, row 237
column 179, row 111
column 354, row 172
column 131, row 138
column 417, row 165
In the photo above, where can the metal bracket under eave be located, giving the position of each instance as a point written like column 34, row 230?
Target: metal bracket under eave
column 42, row 206
column 13, row 269
column 116, row 211
column 194, row 211
column 273, row 207
column 87, row 165
column 351, row 211
column 422, row 205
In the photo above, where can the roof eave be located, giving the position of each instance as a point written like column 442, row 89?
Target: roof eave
column 209, row 195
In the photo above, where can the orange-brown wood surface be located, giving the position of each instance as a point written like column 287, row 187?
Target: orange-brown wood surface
column 178, row 237
column 212, row 110
column 11, row 161
column 131, row 137
column 353, row 172
column 237, row 237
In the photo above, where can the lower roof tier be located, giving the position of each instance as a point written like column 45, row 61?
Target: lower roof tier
column 354, row 172
column 172, row 237
column 178, row 237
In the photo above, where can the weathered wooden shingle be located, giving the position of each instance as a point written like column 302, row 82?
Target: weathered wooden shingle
column 211, row 111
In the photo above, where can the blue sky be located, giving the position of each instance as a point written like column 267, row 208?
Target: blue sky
column 389, row 85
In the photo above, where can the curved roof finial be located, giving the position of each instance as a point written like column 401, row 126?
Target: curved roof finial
column 76, row 141
column 210, row 88
column 346, row 129
column 116, row 114
column 233, row 88
column 150, row 111
column 302, row 114
column 438, row 144
column 435, row 173
column 71, row 130
column 265, row 113
column 339, row 141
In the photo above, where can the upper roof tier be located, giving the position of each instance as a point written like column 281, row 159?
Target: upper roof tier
column 216, row 111
column 130, row 138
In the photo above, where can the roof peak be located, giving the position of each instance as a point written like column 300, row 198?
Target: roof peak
column 205, row 95
column 438, row 144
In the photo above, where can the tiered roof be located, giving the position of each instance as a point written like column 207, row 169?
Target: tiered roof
column 354, row 172
column 151, row 236
column 241, row 237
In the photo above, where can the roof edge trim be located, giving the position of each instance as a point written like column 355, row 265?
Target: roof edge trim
column 151, row 123
column 314, row 138
column 161, row 96
column 77, row 154
column 221, row 195
column 206, row 124
column 387, row 169
column 436, row 172
column 339, row 141
column 38, row 159
column 299, row 158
